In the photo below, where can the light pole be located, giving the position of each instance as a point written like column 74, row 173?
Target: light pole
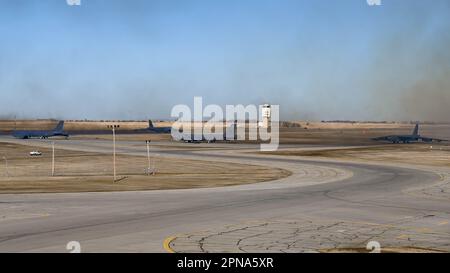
column 6, row 166
column 113, row 127
column 148, row 156
column 53, row 158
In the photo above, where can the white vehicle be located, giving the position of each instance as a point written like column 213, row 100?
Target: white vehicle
column 35, row 153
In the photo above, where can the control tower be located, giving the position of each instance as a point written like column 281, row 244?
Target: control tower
column 266, row 115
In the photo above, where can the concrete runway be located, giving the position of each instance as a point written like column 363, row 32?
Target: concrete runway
column 322, row 206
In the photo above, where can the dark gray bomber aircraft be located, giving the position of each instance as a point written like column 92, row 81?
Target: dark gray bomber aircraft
column 211, row 137
column 154, row 130
column 414, row 137
column 58, row 131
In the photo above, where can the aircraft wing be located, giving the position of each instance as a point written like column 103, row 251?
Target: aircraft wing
column 429, row 139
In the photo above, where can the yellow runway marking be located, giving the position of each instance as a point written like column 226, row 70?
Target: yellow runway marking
column 166, row 244
column 24, row 216
column 424, row 230
column 443, row 223
column 403, row 237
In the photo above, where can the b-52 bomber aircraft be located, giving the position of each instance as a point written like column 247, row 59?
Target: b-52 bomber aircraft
column 414, row 137
column 43, row 134
column 151, row 129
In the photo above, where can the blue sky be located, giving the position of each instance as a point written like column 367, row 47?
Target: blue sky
column 321, row 59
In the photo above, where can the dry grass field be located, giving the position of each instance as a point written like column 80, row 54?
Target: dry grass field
column 123, row 137
column 349, row 134
column 316, row 133
column 9, row 125
column 422, row 154
column 91, row 172
column 355, row 133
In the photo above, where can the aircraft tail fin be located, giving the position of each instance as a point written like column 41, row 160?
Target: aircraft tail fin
column 60, row 126
column 150, row 124
column 416, row 130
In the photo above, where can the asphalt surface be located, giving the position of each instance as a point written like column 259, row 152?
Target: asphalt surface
column 322, row 206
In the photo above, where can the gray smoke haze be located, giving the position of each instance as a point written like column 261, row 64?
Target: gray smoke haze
column 414, row 72
column 124, row 61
